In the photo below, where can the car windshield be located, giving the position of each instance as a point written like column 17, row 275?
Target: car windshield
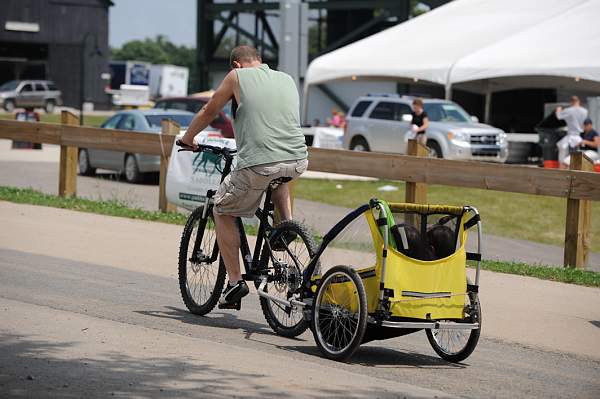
column 182, row 120
column 446, row 112
column 8, row 86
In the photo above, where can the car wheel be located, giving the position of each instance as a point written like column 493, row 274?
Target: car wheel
column 49, row 106
column 83, row 162
column 132, row 170
column 435, row 151
column 9, row 105
column 359, row 144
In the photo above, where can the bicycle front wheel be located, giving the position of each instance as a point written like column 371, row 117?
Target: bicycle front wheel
column 201, row 275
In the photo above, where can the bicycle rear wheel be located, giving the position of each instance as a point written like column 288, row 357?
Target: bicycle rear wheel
column 286, row 277
column 201, row 276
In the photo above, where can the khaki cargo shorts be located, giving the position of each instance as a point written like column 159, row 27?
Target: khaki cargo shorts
column 241, row 191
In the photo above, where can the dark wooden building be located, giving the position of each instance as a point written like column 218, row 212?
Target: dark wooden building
column 48, row 39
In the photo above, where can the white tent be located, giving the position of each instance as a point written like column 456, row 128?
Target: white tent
column 565, row 46
column 431, row 47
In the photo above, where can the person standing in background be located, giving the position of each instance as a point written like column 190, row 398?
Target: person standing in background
column 420, row 121
column 590, row 141
column 574, row 116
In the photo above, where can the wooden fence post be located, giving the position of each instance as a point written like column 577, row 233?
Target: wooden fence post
column 67, row 175
column 579, row 219
column 169, row 129
column 416, row 192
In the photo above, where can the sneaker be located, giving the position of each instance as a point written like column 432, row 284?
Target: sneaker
column 233, row 293
column 286, row 237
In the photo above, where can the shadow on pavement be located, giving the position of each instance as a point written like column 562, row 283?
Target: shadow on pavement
column 40, row 369
column 371, row 356
column 216, row 319
column 380, row 356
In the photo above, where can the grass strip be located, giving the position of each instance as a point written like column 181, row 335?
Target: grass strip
column 120, row 209
column 559, row 274
column 109, row 207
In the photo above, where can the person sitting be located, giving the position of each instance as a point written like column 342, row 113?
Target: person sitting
column 588, row 143
column 441, row 239
column 590, row 140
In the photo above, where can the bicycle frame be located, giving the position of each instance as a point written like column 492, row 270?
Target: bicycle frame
column 253, row 262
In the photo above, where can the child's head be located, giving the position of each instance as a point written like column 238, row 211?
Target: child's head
column 442, row 241
column 417, row 248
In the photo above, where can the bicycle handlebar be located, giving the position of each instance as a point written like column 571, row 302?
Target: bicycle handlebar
column 205, row 148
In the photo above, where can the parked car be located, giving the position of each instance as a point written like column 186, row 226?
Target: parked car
column 193, row 104
column 30, row 93
column 380, row 122
column 132, row 165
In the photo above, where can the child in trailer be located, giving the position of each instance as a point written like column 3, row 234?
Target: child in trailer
column 437, row 244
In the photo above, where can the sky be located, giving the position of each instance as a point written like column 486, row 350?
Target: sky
column 140, row 19
column 176, row 19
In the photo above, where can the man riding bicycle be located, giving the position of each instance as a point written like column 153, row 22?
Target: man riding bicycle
column 270, row 145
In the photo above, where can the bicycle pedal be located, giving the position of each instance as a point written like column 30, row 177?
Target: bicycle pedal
column 234, row 305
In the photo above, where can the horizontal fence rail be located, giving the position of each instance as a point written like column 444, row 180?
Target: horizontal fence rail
column 488, row 176
column 87, row 137
column 578, row 186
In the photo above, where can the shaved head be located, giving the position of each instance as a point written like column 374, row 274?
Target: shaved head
column 243, row 54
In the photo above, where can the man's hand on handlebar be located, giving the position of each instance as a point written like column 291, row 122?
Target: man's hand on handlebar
column 188, row 146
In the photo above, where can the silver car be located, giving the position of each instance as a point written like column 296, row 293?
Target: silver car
column 132, row 165
column 30, row 94
column 382, row 122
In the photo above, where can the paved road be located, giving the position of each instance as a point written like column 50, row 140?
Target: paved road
column 41, row 172
column 97, row 311
column 145, row 301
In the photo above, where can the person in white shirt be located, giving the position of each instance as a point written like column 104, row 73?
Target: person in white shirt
column 574, row 116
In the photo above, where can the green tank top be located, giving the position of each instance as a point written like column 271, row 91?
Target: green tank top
column 267, row 120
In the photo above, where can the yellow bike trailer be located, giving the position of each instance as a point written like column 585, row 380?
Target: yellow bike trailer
column 400, row 294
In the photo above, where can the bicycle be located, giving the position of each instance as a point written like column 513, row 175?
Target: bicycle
column 275, row 266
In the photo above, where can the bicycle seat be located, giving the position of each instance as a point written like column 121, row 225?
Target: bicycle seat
column 280, row 180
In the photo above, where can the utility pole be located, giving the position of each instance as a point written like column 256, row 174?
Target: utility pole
column 293, row 43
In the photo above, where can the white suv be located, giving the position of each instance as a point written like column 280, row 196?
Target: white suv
column 380, row 122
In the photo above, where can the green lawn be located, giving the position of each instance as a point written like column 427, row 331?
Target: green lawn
column 88, row 120
column 528, row 217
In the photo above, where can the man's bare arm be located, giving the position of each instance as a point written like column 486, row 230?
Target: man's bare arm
column 209, row 112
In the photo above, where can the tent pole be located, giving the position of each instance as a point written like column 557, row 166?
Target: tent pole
column 488, row 105
column 305, row 105
column 448, row 95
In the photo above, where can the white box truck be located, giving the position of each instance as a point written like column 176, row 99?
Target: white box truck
column 168, row 81
column 128, row 73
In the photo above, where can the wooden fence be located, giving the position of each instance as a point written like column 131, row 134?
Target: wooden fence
column 579, row 185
